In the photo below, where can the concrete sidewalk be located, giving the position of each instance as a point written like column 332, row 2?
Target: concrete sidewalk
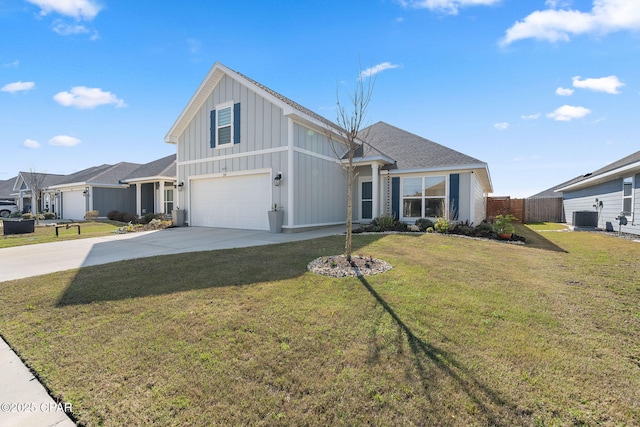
column 23, row 400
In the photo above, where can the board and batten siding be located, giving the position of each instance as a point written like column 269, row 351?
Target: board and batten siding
column 479, row 198
column 263, row 141
column 106, row 200
column 610, row 194
column 320, row 192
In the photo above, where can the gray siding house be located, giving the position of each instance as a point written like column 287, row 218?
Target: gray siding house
column 125, row 187
column 612, row 191
column 243, row 149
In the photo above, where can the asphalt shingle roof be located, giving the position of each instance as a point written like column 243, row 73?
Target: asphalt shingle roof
column 165, row 166
column 411, row 151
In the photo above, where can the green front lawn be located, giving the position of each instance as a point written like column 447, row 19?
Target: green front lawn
column 460, row 332
column 45, row 234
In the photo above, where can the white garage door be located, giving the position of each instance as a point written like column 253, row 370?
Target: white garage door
column 73, row 205
column 231, row 202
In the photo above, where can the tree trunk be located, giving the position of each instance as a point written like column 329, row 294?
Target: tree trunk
column 347, row 246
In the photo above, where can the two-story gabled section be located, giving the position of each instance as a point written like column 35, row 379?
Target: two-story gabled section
column 243, row 149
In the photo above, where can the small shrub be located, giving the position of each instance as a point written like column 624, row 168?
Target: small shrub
column 16, row 215
column 424, row 223
column 429, row 230
column 26, row 216
column 384, row 222
column 49, row 215
column 113, row 215
column 441, row 225
column 132, row 218
column 91, row 215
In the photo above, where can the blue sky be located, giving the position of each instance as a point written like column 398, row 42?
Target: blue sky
column 542, row 91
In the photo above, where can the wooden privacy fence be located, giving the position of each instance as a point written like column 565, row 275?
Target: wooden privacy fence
column 547, row 209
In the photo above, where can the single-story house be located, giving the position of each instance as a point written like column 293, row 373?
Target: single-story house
column 243, row 149
column 607, row 195
column 124, row 187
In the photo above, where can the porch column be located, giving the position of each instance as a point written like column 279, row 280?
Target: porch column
column 160, row 208
column 138, row 199
column 375, row 184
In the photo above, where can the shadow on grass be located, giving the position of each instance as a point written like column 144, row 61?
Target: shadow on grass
column 167, row 274
column 489, row 404
column 536, row 240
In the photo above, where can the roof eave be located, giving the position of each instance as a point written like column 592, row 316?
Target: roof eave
column 603, row 177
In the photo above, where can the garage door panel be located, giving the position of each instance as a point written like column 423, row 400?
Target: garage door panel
column 73, row 205
column 231, row 202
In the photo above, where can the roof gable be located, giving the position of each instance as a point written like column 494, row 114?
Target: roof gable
column 215, row 75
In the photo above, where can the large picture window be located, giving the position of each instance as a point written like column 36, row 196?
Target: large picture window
column 424, row 197
column 627, row 196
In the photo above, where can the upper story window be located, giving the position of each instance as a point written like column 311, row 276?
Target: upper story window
column 225, row 125
column 627, row 196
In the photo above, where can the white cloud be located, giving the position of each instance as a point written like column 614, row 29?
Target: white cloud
column 30, row 143
column 64, row 141
column 87, row 97
column 535, row 116
column 65, row 29
column 79, row 9
column 18, row 87
column 447, row 6
column 562, row 91
column 568, row 112
column 11, row 64
column 606, row 16
column 377, row 69
column 604, row 84
column 501, row 125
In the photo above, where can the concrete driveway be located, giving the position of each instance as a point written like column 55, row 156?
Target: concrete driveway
column 34, row 260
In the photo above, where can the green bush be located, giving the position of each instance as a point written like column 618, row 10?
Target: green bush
column 49, row 215
column 424, row 223
column 113, row 215
column 441, row 225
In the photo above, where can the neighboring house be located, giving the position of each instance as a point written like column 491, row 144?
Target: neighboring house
column 124, row 187
column 612, row 191
column 6, row 189
column 243, row 148
column 155, row 185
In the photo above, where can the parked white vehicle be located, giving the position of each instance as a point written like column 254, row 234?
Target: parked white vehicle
column 7, row 207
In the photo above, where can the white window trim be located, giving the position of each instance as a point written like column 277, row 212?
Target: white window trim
column 228, row 104
column 446, row 196
column 632, row 196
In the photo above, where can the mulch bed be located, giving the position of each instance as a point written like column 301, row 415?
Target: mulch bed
column 338, row 266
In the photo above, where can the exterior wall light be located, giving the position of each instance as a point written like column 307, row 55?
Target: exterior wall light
column 277, row 179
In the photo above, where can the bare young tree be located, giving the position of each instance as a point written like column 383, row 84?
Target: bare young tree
column 350, row 119
column 35, row 182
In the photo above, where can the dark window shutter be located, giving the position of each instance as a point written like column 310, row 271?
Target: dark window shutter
column 395, row 197
column 454, row 195
column 213, row 129
column 236, row 123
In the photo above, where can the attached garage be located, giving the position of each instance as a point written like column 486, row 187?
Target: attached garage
column 74, row 205
column 240, row 201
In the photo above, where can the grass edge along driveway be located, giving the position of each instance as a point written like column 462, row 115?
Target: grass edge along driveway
column 459, row 332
